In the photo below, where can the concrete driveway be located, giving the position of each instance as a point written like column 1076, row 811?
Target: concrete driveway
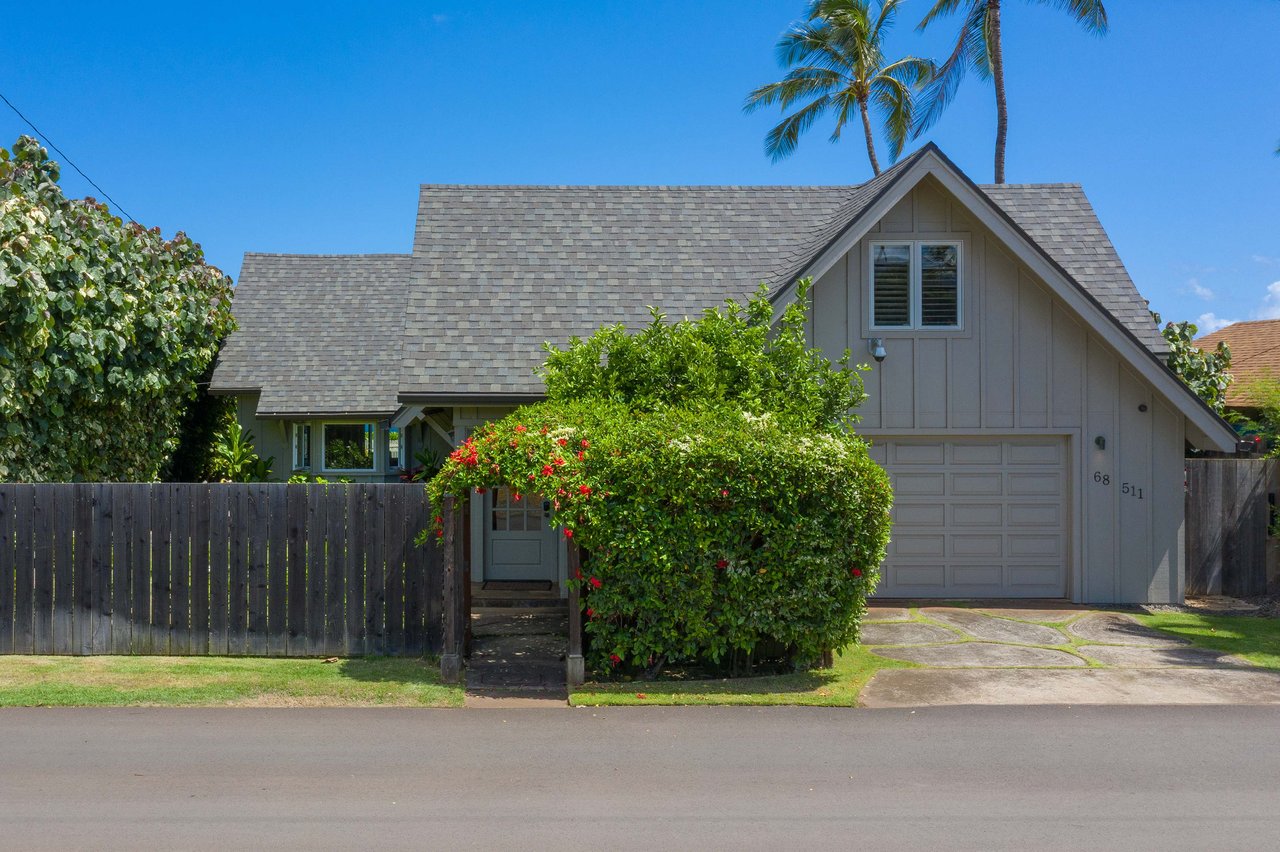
column 1016, row 655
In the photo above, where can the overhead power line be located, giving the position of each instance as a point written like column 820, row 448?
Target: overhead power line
column 65, row 158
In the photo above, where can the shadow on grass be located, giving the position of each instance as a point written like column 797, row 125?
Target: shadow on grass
column 398, row 670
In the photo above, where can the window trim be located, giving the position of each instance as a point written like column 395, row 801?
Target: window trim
column 377, row 447
column 915, row 282
column 305, row 428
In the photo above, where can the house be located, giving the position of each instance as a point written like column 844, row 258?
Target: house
column 1033, row 434
column 1255, row 357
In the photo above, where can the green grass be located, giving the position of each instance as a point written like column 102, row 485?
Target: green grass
column 222, row 681
column 835, row 687
column 1255, row 639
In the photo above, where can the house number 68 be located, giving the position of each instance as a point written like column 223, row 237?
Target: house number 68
column 1101, row 478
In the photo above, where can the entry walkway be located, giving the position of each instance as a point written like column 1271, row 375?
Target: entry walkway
column 518, row 657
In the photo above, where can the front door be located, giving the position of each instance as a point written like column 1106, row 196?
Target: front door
column 520, row 543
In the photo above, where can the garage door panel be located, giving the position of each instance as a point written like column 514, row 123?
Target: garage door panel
column 977, row 518
column 917, row 454
column 1043, row 576
column 976, row 514
column 920, row 576
column 918, row 484
column 970, row 484
column 976, row 545
column 1035, row 545
column 919, row 514
column 1034, row 484
column 909, row 544
column 1034, row 453
column 1035, row 515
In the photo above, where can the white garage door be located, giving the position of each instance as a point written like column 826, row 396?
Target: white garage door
column 976, row 518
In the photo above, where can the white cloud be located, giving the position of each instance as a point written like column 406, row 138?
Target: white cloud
column 1266, row 260
column 440, row 19
column 1271, row 302
column 1210, row 322
column 1199, row 289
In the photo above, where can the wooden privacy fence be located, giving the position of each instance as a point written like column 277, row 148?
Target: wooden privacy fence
column 252, row 569
column 1229, row 507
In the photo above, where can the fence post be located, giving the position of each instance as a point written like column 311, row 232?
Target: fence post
column 575, row 666
column 451, row 653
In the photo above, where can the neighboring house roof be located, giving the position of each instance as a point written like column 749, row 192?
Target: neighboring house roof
column 498, row 270
column 1255, row 355
column 318, row 334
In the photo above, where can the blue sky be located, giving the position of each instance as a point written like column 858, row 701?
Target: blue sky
column 307, row 128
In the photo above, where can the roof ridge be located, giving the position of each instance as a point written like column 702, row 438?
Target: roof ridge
column 307, row 256
column 664, row 187
column 1029, row 185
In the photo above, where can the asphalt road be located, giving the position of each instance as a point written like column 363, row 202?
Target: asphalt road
column 681, row 778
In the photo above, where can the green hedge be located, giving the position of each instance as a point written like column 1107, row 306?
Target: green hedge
column 708, row 535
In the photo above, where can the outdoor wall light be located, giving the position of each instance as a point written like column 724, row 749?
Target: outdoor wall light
column 876, row 346
column 1100, row 442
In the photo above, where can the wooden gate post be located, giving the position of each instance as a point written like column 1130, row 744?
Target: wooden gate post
column 451, row 651
column 575, row 666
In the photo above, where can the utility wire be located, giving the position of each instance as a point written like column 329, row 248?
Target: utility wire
column 65, row 158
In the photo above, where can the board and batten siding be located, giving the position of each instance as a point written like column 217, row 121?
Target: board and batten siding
column 1023, row 364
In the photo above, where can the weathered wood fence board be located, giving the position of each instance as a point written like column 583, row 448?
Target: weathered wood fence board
column 1229, row 505
column 254, row 569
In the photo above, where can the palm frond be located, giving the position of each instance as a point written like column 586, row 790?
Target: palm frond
column 782, row 140
column 970, row 51
column 895, row 102
column 942, row 8
column 1090, row 14
column 799, row 83
column 845, row 104
column 812, row 43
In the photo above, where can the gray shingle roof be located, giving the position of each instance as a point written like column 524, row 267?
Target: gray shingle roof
column 318, row 334
column 498, row 270
column 1061, row 220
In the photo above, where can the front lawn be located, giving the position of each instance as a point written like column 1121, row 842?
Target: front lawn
column 835, row 687
column 223, row 681
column 1255, row 639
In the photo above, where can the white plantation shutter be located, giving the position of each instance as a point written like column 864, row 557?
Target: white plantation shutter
column 939, row 285
column 891, row 271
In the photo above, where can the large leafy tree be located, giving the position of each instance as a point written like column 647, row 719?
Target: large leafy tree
column 1207, row 373
column 838, row 66
column 979, row 46
column 105, row 329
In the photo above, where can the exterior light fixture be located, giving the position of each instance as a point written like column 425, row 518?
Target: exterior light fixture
column 876, row 347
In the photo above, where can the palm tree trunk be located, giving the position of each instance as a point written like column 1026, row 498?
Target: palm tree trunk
column 871, row 139
column 997, row 74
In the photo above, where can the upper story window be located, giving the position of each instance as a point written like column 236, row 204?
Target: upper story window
column 349, row 446
column 915, row 284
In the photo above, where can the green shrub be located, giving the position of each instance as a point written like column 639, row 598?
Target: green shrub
column 706, row 468
column 707, row 536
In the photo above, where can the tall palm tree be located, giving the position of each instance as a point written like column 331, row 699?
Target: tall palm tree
column 979, row 47
column 837, row 65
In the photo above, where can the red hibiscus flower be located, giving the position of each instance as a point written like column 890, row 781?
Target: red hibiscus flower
column 547, row 470
column 515, row 497
column 585, row 444
column 557, row 461
column 581, row 455
column 857, row 572
column 563, row 441
column 722, row 564
column 439, row 520
column 584, row 490
column 568, row 533
column 591, row 613
column 724, row 492
column 522, row 428
column 615, row 659
column 439, row 533
column 595, row 582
